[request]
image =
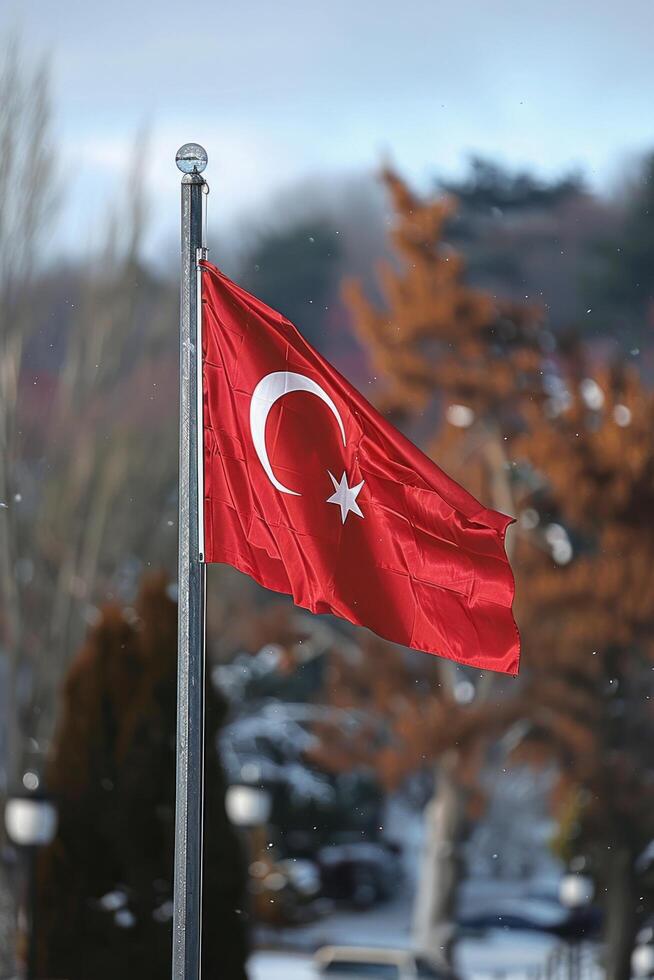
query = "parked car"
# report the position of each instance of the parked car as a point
(378, 963)
(534, 915)
(361, 873)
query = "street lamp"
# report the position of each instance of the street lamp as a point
(31, 822)
(247, 806)
(642, 961)
(576, 891)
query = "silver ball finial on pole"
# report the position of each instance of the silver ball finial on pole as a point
(191, 158)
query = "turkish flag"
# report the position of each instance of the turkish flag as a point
(310, 491)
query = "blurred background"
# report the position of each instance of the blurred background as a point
(455, 204)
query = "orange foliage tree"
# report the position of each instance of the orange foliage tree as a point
(588, 567)
(528, 429)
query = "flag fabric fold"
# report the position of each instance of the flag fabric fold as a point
(311, 492)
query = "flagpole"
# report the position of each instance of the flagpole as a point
(191, 159)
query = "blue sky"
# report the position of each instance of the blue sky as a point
(278, 91)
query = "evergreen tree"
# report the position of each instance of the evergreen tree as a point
(526, 236)
(294, 271)
(624, 286)
(105, 884)
(489, 186)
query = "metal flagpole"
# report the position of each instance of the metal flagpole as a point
(191, 159)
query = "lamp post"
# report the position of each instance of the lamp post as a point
(31, 822)
(248, 808)
(575, 892)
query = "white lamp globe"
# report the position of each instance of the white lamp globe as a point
(30, 821)
(642, 961)
(247, 806)
(576, 890)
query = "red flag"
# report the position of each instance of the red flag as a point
(312, 492)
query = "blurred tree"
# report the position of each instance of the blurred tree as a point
(482, 357)
(316, 760)
(80, 515)
(622, 286)
(294, 270)
(588, 622)
(581, 472)
(105, 883)
(27, 196)
(529, 237)
(489, 186)
(111, 408)
(436, 333)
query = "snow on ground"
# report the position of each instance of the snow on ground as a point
(496, 957)
(499, 953)
(383, 925)
(505, 954)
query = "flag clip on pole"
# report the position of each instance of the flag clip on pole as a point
(191, 159)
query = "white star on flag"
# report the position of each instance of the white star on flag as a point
(345, 497)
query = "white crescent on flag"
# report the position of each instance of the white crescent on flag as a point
(268, 391)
